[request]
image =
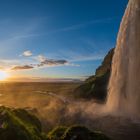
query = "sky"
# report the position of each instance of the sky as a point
(57, 39)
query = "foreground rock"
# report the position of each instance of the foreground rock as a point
(75, 133)
(18, 124)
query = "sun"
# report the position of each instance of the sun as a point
(3, 75)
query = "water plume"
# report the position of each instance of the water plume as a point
(124, 85)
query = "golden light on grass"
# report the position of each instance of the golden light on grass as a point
(3, 75)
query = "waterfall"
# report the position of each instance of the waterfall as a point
(124, 84)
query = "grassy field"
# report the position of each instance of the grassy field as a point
(32, 94)
(60, 88)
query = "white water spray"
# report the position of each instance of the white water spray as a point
(124, 85)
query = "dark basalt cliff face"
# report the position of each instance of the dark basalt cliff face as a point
(96, 86)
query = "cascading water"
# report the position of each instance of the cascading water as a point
(124, 84)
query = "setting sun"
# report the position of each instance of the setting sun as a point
(3, 75)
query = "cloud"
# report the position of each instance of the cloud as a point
(52, 62)
(41, 58)
(42, 62)
(27, 53)
(22, 67)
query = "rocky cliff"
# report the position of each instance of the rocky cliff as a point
(96, 85)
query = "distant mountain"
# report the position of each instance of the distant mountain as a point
(96, 85)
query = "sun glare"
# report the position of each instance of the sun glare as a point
(3, 75)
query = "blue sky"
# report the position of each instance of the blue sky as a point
(57, 38)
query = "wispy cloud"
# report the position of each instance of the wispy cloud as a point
(88, 58)
(85, 24)
(13, 36)
(87, 50)
(28, 34)
(75, 56)
(8, 63)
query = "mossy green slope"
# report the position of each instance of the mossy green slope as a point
(18, 124)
